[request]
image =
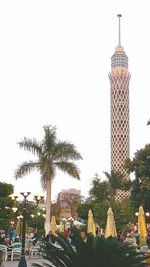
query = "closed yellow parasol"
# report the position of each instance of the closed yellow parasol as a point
(91, 225)
(141, 223)
(19, 228)
(110, 224)
(53, 224)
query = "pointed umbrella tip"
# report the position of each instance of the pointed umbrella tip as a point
(141, 210)
(110, 211)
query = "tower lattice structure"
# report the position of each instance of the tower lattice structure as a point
(119, 81)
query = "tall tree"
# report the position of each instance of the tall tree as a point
(140, 163)
(140, 166)
(123, 212)
(6, 204)
(100, 190)
(115, 180)
(52, 154)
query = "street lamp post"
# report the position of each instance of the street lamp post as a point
(22, 262)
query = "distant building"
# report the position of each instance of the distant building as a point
(68, 200)
(119, 81)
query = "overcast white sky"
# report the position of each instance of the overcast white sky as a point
(54, 65)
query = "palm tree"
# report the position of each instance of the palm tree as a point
(52, 154)
(115, 180)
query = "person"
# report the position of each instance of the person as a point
(120, 237)
(130, 239)
(66, 233)
(148, 239)
(49, 238)
(13, 235)
(7, 241)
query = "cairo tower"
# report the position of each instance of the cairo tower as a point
(119, 81)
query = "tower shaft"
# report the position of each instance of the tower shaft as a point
(119, 82)
(119, 120)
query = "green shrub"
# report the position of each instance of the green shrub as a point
(95, 252)
(6, 204)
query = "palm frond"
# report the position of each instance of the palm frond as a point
(49, 140)
(61, 253)
(148, 123)
(66, 151)
(31, 145)
(26, 168)
(108, 176)
(94, 252)
(68, 167)
(47, 171)
(43, 181)
(44, 178)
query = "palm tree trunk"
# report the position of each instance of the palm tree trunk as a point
(48, 208)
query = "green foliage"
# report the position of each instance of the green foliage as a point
(31, 208)
(123, 212)
(140, 163)
(94, 252)
(37, 223)
(140, 193)
(6, 204)
(6, 189)
(106, 190)
(51, 155)
(115, 179)
(100, 191)
(140, 189)
(83, 208)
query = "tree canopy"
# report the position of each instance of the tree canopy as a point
(6, 204)
(140, 188)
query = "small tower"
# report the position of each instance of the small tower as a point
(119, 81)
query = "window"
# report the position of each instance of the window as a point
(119, 61)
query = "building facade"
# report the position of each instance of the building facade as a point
(68, 200)
(119, 82)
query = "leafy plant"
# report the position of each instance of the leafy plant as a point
(123, 212)
(6, 189)
(6, 204)
(94, 252)
(140, 187)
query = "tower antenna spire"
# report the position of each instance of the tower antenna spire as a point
(119, 41)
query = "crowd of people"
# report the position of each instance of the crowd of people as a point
(130, 236)
(134, 238)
